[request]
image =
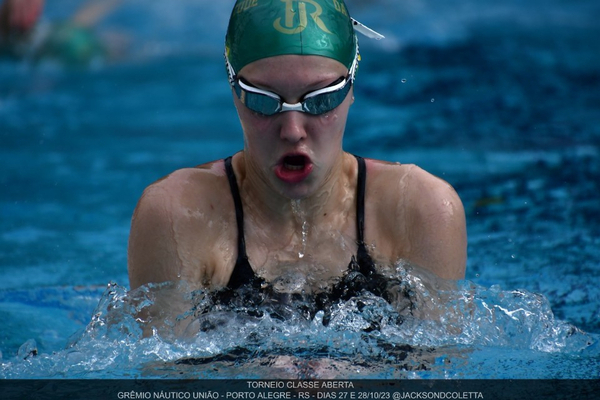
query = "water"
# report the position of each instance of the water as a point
(481, 329)
(513, 127)
(301, 217)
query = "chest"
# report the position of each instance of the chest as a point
(310, 257)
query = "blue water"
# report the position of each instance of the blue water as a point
(501, 100)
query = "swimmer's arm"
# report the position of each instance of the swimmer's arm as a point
(161, 246)
(178, 230)
(438, 233)
(152, 252)
(152, 258)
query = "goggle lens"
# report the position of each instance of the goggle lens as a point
(325, 102)
(317, 102)
(258, 102)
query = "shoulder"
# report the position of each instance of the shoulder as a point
(186, 189)
(424, 213)
(176, 223)
(417, 189)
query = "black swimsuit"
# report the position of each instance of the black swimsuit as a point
(361, 272)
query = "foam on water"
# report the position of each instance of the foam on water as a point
(446, 330)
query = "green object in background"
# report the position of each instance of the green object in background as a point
(71, 44)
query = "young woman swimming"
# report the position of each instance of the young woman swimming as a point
(293, 210)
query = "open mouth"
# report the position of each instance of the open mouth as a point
(294, 168)
(294, 163)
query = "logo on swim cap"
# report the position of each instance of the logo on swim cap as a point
(290, 13)
(266, 28)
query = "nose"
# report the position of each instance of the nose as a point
(292, 126)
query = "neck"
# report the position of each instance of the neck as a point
(334, 196)
(316, 231)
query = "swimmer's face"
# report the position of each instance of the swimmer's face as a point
(294, 152)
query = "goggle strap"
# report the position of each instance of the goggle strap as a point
(252, 89)
(230, 71)
(328, 89)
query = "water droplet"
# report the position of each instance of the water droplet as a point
(513, 256)
(301, 215)
(403, 81)
(304, 236)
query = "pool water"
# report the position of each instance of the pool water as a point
(501, 100)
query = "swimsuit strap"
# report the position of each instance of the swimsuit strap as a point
(367, 266)
(360, 200)
(362, 274)
(242, 272)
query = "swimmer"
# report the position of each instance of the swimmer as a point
(72, 42)
(18, 19)
(293, 206)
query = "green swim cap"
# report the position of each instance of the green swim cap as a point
(265, 28)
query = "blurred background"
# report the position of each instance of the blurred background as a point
(500, 98)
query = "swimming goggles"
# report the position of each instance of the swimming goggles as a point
(316, 102)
